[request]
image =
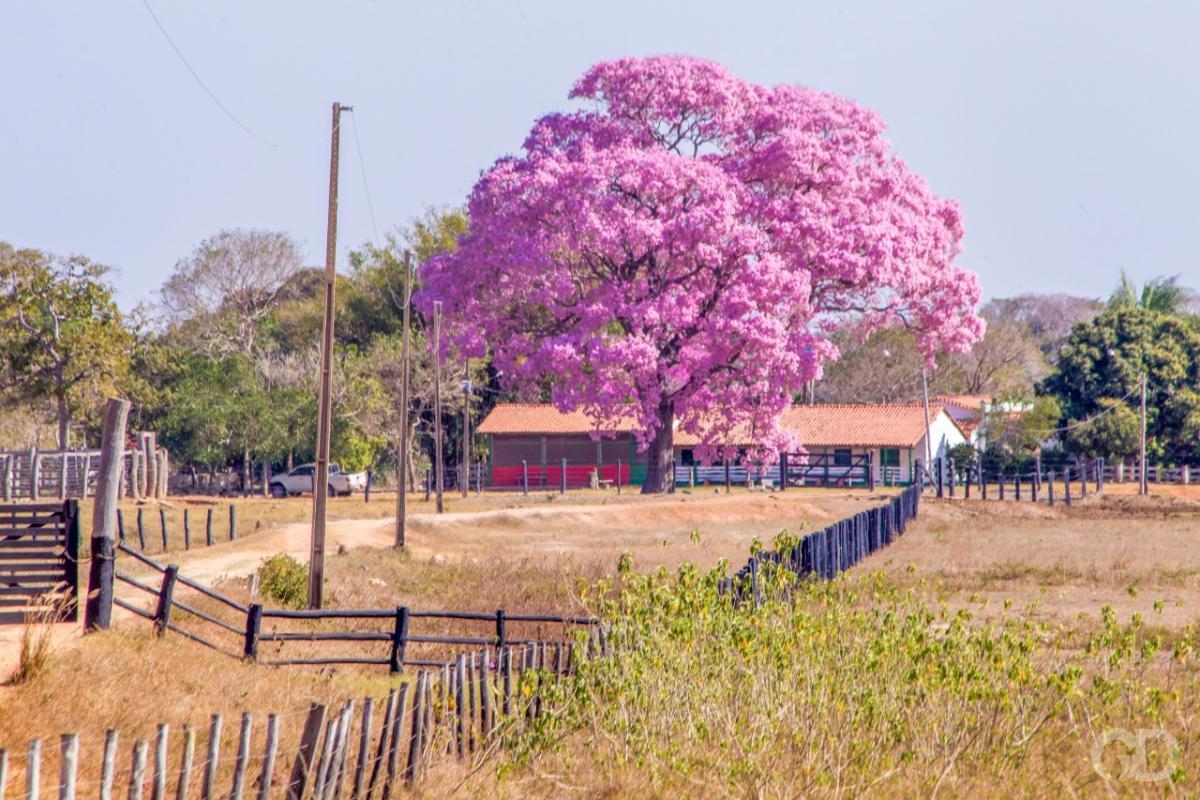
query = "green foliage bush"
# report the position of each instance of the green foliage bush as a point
(283, 579)
(862, 685)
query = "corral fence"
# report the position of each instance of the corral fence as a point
(36, 474)
(1040, 484)
(793, 469)
(39, 561)
(824, 553)
(460, 712)
(1127, 472)
(394, 637)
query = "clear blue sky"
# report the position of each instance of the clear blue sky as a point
(1066, 130)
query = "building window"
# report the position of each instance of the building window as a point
(889, 456)
(687, 457)
(841, 457)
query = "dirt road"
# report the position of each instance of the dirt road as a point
(701, 527)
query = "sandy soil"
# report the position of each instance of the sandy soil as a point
(1119, 549)
(701, 526)
(1067, 562)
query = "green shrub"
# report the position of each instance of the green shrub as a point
(283, 579)
(857, 682)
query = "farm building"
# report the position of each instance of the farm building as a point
(843, 442)
(968, 411)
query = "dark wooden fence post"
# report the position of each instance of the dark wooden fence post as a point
(951, 474)
(618, 476)
(1067, 485)
(71, 554)
(728, 482)
(783, 471)
(106, 517)
(208, 540)
(562, 478)
(1050, 487)
(399, 639)
(1099, 474)
(162, 521)
(141, 526)
(120, 525)
(939, 467)
(524, 476)
(232, 521)
(982, 482)
(1017, 487)
(501, 632)
(253, 626)
(187, 531)
(1033, 488)
(1083, 479)
(162, 614)
(1002, 478)
(970, 475)
(870, 470)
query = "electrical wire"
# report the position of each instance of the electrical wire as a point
(200, 80)
(362, 168)
(1082, 422)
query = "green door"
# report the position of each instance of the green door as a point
(889, 465)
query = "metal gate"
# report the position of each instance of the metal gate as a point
(39, 561)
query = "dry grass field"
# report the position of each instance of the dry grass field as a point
(1057, 567)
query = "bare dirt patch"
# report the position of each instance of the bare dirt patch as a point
(1136, 554)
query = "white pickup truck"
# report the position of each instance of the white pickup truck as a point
(300, 480)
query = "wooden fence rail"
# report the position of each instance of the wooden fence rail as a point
(459, 712)
(39, 561)
(825, 553)
(1063, 484)
(239, 630)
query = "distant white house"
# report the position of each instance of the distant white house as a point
(971, 412)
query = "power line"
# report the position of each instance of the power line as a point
(362, 168)
(200, 80)
(1008, 424)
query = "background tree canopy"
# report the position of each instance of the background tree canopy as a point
(1102, 361)
(226, 375)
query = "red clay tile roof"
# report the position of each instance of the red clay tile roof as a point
(971, 402)
(822, 425)
(539, 418)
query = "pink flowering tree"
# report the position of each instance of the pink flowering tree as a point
(679, 250)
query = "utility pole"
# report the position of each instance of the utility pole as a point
(466, 439)
(402, 488)
(1143, 487)
(316, 563)
(437, 402)
(928, 443)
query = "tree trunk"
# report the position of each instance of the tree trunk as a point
(64, 424)
(661, 454)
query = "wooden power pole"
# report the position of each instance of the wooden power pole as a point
(402, 488)
(466, 439)
(439, 471)
(1143, 486)
(316, 563)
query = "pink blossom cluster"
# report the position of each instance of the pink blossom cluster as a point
(680, 249)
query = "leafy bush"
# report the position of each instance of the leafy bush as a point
(283, 579)
(858, 685)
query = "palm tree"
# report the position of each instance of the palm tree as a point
(1162, 294)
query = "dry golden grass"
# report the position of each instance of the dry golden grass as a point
(533, 554)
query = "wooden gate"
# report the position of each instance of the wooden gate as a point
(39, 561)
